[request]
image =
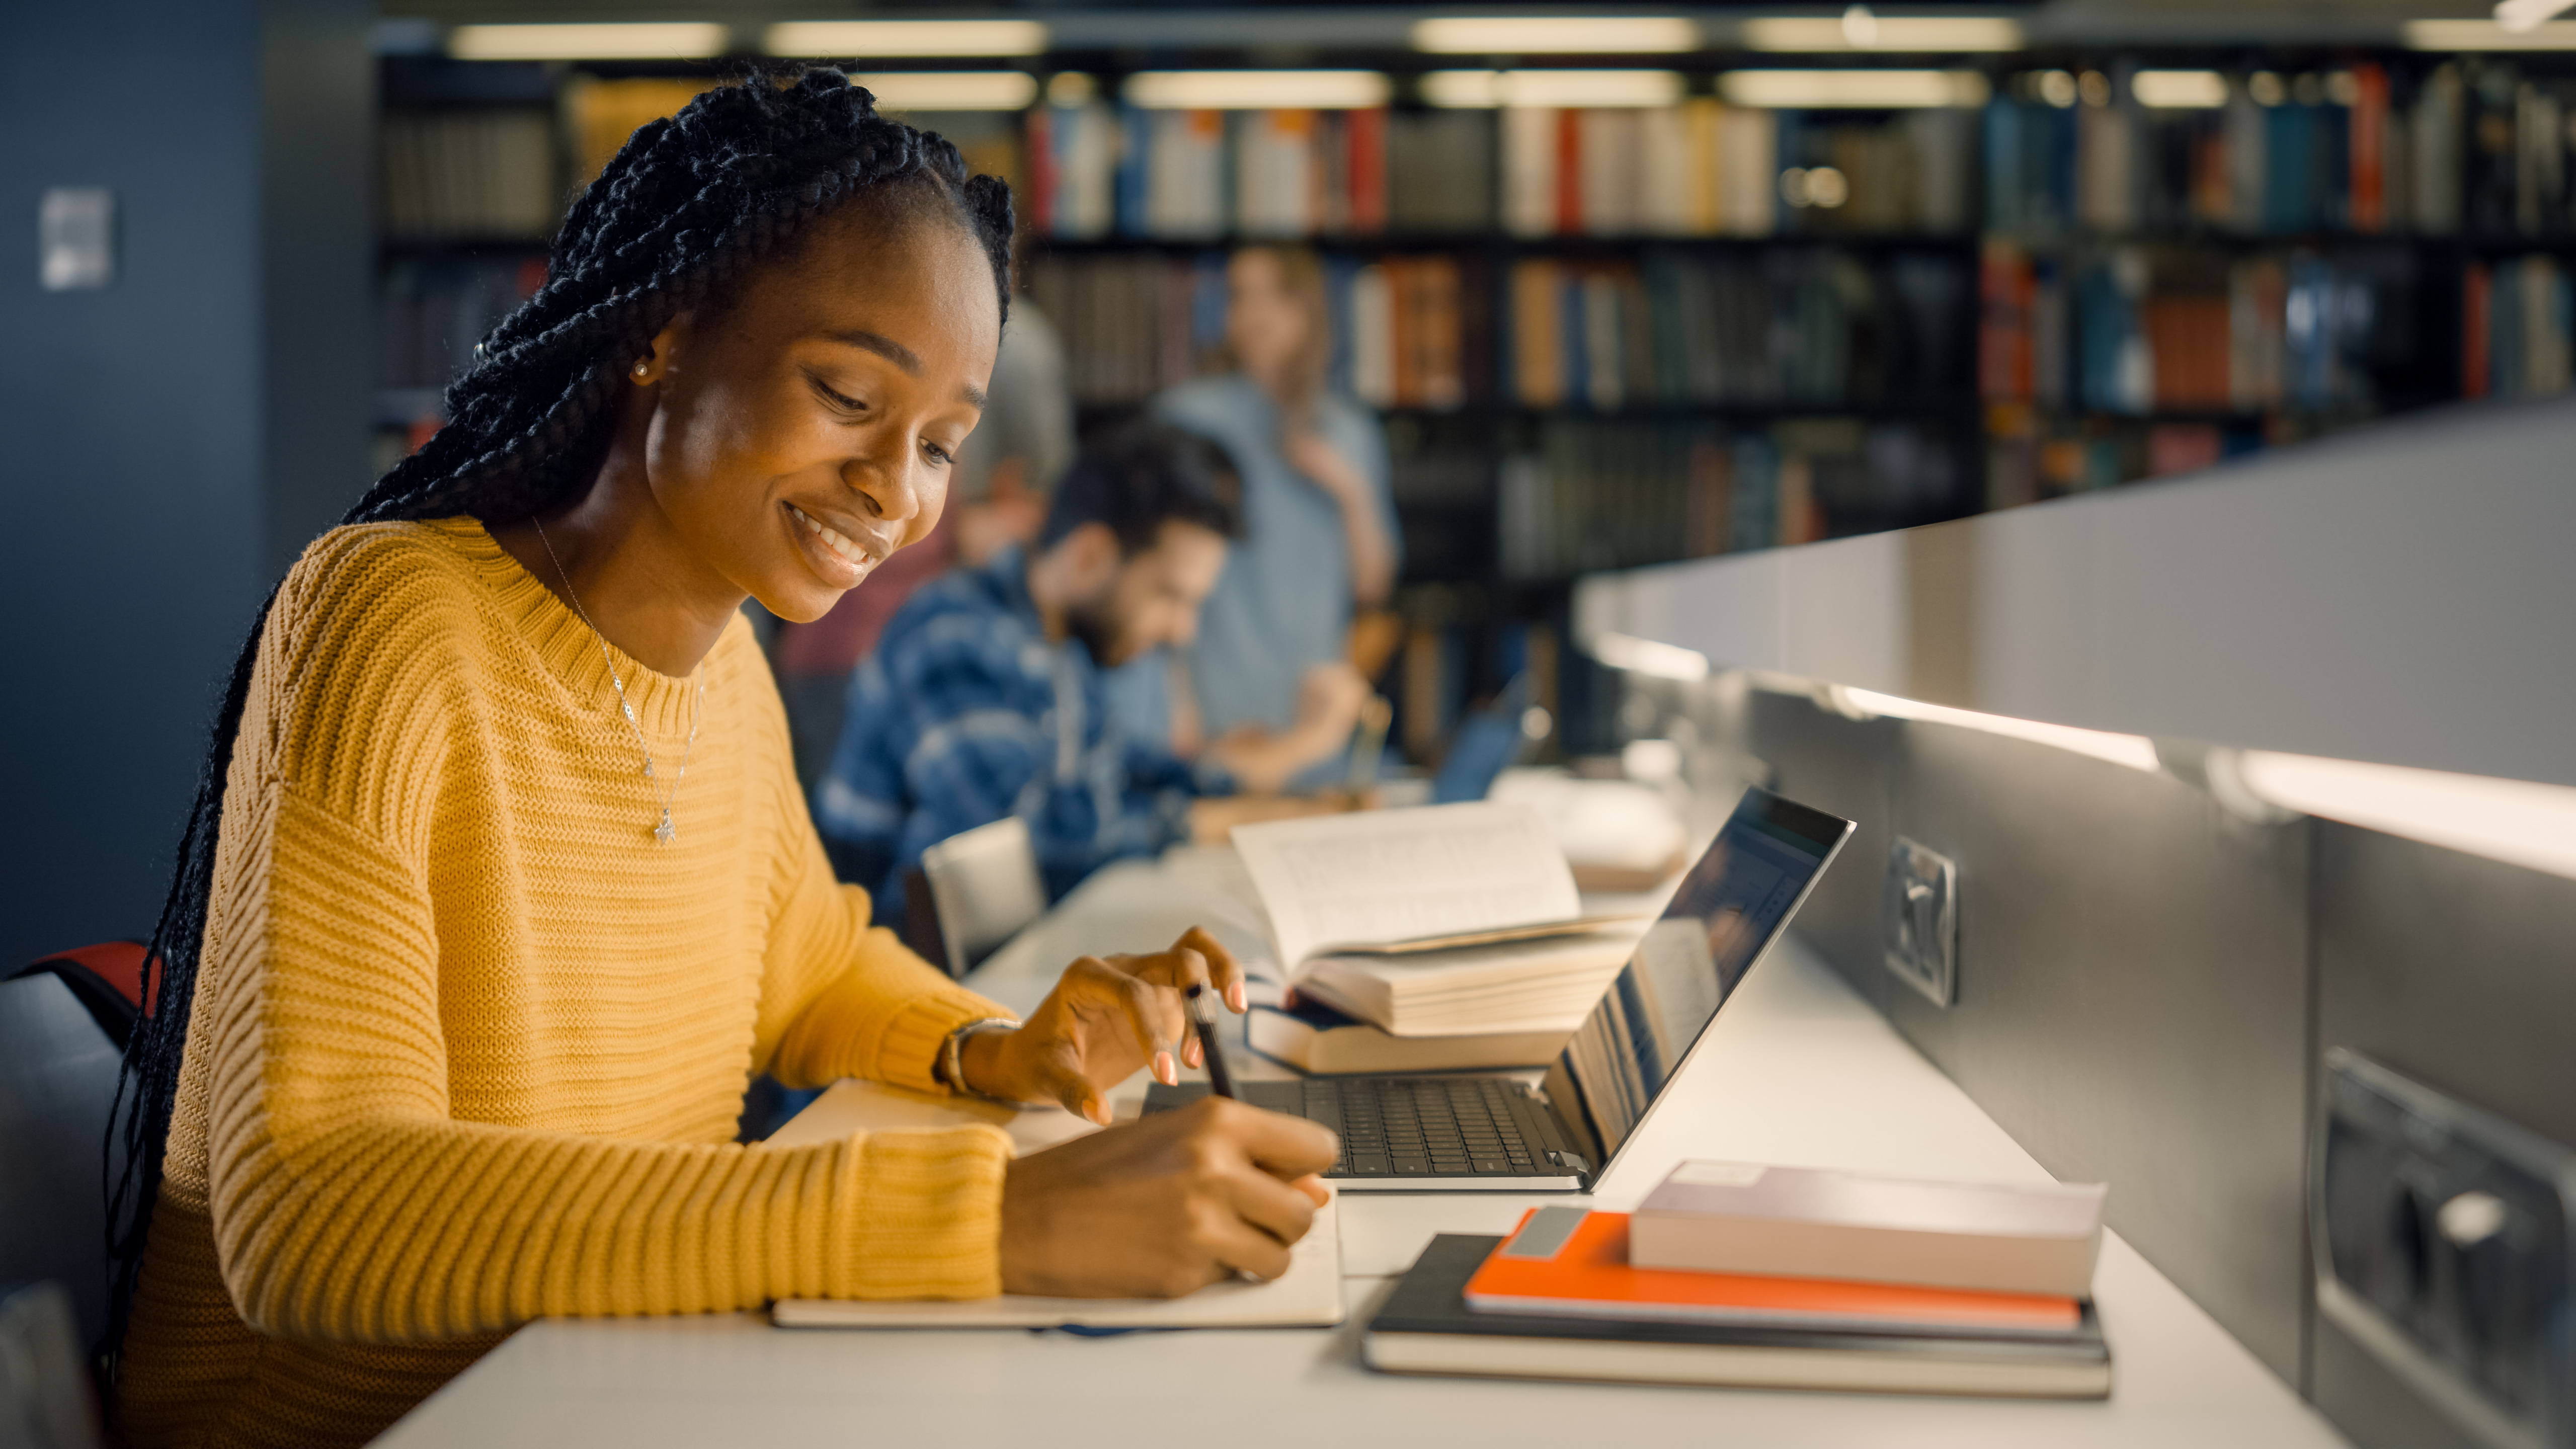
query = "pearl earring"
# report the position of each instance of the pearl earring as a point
(643, 366)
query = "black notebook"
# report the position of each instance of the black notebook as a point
(1427, 1328)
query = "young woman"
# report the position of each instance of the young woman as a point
(498, 886)
(1319, 527)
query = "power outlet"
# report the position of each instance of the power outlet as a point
(1919, 911)
(2441, 1235)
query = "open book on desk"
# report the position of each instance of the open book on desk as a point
(1308, 1295)
(1447, 920)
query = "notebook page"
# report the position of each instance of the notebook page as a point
(1390, 875)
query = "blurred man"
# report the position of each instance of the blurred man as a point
(984, 697)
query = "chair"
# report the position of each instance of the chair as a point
(45, 1398)
(984, 886)
(59, 1052)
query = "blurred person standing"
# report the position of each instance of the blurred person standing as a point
(997, 498)
(1320, 538)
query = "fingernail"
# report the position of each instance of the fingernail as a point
(1236, 997)
(1192, 1054)
(1164, 1071)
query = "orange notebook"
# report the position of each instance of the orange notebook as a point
(1577, 1266)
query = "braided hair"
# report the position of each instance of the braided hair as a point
(689, 207)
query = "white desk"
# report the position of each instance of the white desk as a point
(1797, 1070)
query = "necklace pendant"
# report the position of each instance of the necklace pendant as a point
(663, 832)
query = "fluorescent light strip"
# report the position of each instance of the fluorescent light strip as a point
(2487, 35)
(1256, 90)
(2514, 821)
(953, 90)
(641, 40)
(1916, 34)
(2523, 15)
(1598, 89)
(1810, 90)
(1556, 35)
(2179, 90)
(879, 39)
(2136, 752)
(1649, 656)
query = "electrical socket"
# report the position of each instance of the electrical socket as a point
(2442, 1242)
(1919, 912)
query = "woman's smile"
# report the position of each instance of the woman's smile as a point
(841, 559)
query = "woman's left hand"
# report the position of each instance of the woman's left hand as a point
(1105, 1018)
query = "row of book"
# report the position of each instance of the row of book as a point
(2028, 460)
(2474, 145)
(482, 172)
(1609, 494)
(2137, 330)
(1799, 328)
(1701, 168)
(2518, 329)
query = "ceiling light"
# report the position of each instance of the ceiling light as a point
(2522, 15)
(1804, 90)
(642, 40)
(1556, 35)
(952, 90)
(1859, 29)
(2487, 35)
(2136, 752)
(2509, 820)
(878, 39)
(1468, 89)
(1649, 656)
(2179, 90)
(1256, 90)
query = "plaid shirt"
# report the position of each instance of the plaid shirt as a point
(965, 714)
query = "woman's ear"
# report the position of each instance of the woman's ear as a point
(655, 364)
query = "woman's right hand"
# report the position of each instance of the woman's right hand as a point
(1163, 1206)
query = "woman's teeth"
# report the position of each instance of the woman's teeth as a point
(850, 553)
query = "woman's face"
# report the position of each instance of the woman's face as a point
(804, 432)
(1264, 322)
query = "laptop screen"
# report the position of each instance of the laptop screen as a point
(1728, 910)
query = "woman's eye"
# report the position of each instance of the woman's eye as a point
(836, 398)
(938, 454)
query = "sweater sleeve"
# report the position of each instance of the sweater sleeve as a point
(843, 998)
(348, 1204)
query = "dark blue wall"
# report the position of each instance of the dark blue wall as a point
(161, 439)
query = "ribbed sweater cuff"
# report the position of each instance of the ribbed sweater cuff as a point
(917, 1030)
(921, 1215)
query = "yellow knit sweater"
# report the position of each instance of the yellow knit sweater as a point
(468, 1045)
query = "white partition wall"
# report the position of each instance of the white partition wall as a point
(2403, 593)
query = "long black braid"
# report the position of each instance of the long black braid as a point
(688, 207)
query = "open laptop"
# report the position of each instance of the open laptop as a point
(1448, 1132)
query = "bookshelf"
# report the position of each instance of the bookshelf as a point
(1603, 337)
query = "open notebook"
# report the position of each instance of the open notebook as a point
(1308, 1295)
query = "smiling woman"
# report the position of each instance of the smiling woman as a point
(498, 885)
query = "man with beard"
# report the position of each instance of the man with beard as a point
(985, 699)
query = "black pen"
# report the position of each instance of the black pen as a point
(1220, 1081)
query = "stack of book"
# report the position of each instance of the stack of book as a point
(1439, 938)
(1772, 1277)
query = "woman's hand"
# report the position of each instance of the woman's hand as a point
(1163, 1206)
(1105, 1018)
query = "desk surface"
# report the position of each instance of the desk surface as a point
(1796, 1070)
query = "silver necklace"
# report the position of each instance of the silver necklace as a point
(662, 832)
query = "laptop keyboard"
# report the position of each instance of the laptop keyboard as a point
(1424, 1127)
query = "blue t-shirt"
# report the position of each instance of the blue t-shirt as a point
(1284, 600)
